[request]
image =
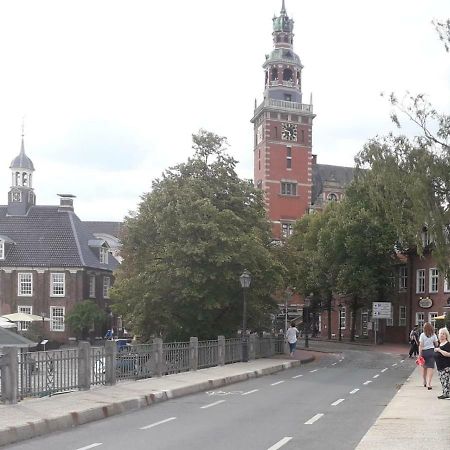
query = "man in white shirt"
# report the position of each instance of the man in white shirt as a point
(291, 338)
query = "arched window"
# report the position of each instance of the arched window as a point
(287, 75)
(274, 74)
(24, 179)
(17, 179)
(332, 198)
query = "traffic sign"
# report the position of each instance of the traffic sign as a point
(381, 310)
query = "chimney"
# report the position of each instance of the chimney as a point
(66, 202)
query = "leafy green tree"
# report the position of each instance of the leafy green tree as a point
(186, 246)
(85, 316)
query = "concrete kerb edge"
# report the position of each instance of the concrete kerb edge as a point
(45, 426)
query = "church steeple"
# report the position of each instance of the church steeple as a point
(21, 195)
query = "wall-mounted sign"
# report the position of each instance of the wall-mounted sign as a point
(425, 302)
(381, 310)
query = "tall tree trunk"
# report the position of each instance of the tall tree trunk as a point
(330, 298)
(354, 309)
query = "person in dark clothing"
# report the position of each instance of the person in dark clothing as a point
(442, 358)
(414, 341)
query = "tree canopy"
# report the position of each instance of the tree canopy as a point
(85, 316)
(186, 246)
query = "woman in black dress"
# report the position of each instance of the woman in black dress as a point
(442, 356)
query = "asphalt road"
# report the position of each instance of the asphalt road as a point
(328, 404)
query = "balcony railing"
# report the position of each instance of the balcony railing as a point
(284, 105)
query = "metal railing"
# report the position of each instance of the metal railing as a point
(284, 105)
(39, 374)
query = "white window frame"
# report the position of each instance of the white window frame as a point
(57, 321)
(106, 286)
(420, 281)
(23, 326)
(288, 188)
(402, 278)
(21, 283)
(343, 317)
(432, 318)
(287, 229)
(91, 286)
(390, 321)
(433, 280)
(103, 255)
(2, 249)
(446, 285)
(55, 284)
(420, 320)
(402, 316)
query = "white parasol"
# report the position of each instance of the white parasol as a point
(24, 317)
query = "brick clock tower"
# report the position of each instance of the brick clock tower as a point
(283, 133)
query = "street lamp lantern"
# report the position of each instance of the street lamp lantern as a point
(307, 305)
(245, 280)
(340, 321)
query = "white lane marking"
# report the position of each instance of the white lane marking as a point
(278, 382)
(402, 360)
(315, 370)
(377, 375)
(384, 370)
(334, 364)
(314, 419)
(90, 446)
(280, 443)
(250, 392)
(354, 391)
(367, 382)
(297, 376)
(158, 423)
(212, 404)
(337, 402)
(393, 365)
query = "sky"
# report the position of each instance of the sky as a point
(110, 91)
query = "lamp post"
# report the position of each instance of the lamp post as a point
(245, 280)
(307, 304)
(286, 302)
(340, 321)
(43, 322)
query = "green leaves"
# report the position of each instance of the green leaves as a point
(85, 316)
(186, 246)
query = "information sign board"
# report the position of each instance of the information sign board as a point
(381, 310)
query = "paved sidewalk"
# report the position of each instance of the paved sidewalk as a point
(414, 419)
(35, 417)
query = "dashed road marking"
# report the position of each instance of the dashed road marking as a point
(280, 443)
(90, 446)
(297, 376)
(250, 392)
(337, 402)
(158, 423)
(384, 370)
(278, 382)
(354, 391)
(393, 365)
(402, 360)
(367, 382)
(314, 419)
(377, 375)
(212, 404)
(334, 364)
(315, 370)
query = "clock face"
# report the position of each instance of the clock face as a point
(16, 196)
(289, 132)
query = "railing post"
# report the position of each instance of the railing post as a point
(110, 362)
(84, 366)
(9, 374)
(252, 346)
(220, 350)
(158, 356)
(193, 353)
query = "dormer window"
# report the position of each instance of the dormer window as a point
(103, 255)
(332, 197)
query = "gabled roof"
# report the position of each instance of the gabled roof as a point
(11, 339)
(324, 173)
(49, 236)
(111, 228)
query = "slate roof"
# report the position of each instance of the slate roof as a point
(49, 237)
(322, 173)
(12, 339)
(111, 228)
(21, 161)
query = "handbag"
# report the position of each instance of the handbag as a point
(420, 361)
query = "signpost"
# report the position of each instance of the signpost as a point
(380, 310)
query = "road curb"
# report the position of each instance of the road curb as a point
(40, 427)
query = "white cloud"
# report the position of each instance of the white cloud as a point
(113, 90)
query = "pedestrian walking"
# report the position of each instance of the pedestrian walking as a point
(291, 338)
(427, 342)
(442, 357)
(414, 341)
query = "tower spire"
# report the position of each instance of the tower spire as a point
(283, 8)
(22, 147)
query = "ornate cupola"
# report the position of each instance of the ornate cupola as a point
(21, 195)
